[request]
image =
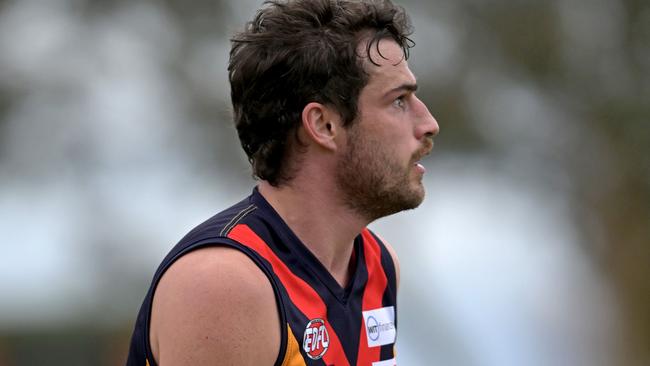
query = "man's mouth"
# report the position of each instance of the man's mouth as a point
(417, 157)
(421, 154)
(419, 167)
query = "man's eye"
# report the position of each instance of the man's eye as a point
(399, 102)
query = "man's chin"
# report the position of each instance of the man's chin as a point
(417, 193)
(412, 199)
(416, 202)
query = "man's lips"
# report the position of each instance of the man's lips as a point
(424, 151)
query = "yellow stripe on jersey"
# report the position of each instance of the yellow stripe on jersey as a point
(292, 357)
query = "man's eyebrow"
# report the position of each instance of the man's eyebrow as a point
(404, 87)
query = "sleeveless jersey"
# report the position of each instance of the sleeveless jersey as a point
(322, 323)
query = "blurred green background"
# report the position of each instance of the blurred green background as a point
(532, 248)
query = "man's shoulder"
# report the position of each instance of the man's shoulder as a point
(212, 295)
(214, 269)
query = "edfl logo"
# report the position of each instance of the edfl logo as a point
(316, 339)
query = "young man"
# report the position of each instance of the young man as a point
(325, 109)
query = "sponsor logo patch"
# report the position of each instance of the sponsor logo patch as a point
(380, 326)
(316, 340)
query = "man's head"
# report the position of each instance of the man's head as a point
(297, 52)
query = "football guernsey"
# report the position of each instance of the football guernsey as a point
(322, 323)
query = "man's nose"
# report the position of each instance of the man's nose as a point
(427, 124)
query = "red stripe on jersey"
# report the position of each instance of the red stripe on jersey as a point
(372, 295)
(300, 293)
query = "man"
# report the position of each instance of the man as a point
(325, 108)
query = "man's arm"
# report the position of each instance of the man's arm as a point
(214, 306)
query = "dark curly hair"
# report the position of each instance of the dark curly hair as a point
(296, 52)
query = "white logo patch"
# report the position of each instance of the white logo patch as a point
(390, 362)
(380, 326)
(316, 340)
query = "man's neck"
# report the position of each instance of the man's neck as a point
(325, 227)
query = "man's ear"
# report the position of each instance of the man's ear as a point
(321, 124)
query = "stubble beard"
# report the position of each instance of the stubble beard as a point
(373, 183)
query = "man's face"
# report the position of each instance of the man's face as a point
(379, 173)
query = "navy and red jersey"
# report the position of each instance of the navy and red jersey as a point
(322, 323)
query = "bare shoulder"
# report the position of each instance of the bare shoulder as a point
(210, 307)
(393, 254)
